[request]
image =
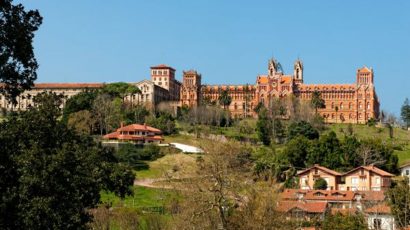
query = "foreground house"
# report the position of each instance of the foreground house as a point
(362, 178)
(299, 204)
(139, 134)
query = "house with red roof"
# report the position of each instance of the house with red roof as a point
(308, 177)
(139, 134)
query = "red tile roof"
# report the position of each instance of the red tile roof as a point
(311, 207)
(162, 66)
(65, 85)
(138, 127)
(326, 195)
(371, 168)
(334, 173)
(379, 209)
(134, 137)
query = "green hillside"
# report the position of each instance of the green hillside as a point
(400, 140)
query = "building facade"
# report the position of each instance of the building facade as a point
(344, 103)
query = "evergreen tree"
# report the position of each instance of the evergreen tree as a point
(264, 127)
(405, 112)
(317, 101)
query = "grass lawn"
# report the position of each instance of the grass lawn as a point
(143, 198)
(400, 137)
(174, 165)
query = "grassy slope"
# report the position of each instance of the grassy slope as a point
(142, 197)
(184, 163)
(400, 137)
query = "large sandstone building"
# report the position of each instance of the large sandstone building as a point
(344, 103)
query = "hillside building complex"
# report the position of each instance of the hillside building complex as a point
(344, 103)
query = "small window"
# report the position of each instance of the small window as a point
(407, 172)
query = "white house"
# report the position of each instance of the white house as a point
(379, 217)
(405, 170)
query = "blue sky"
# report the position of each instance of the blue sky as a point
(227, 41)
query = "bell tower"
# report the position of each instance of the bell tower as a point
(298, 71)
(272, 67)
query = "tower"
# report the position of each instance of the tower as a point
(163, 76)
(364, 76)
(272, 67)
(298, 71)
(191, 88)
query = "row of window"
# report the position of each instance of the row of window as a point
(159, 72)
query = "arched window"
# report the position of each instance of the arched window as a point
(368, 105)
(341, 105)
(333, 106)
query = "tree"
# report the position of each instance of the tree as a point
(81, 121)
(107, 112)
(224, 99)
(79, 102)
(317, 101)
(302, 128)
(120, 89)
(52, 176)
(399, 201)
(405, 112)
(264, 127)
(336, 110)
(296, 151)
(340, 221)
(163, 121)
(320, 184)
(17, 62)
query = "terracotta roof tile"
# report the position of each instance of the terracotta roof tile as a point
(379, 209)
(311, 207)
(67, 85)
(370, 168)
(326, 195)
(332, 172)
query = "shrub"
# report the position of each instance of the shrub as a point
(320, 184)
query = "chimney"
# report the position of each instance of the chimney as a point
(145, 126)
(122, 124)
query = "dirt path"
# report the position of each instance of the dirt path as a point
(149, 183)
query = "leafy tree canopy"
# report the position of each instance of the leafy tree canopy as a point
(17, 62)
(302, 128)
(50, 174)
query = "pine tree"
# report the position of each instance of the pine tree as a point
(405, 112)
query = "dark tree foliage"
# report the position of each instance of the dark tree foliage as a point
(344, 222)
(81, 101)
(17, 62)
(50, 174)
(120, 89)
(134, 155)
(320, 184)
(297, 151)
(317, 101)
(264, 127)
(302, 128)
(224, 99)
(163, 121)
(399, 201)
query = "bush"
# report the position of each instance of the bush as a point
(134, 155)
(302, 128)
(320, 184)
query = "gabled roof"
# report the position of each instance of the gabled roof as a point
(138, 127)
(404, 165)
(287, 79)
(262, 80)
(324, 169)
(311, 207)
(370, 168)
(364, 69)
(379, 209)
(326, 195)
